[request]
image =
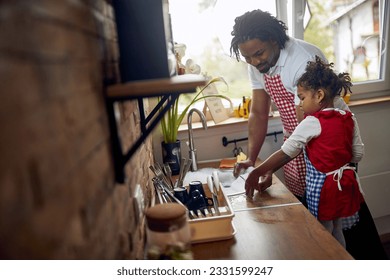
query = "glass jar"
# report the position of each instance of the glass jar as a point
(168, 233)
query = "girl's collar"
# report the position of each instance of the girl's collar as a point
(334, 109)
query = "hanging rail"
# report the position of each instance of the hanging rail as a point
(226, 142)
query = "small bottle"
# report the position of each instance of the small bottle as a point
(168, 233)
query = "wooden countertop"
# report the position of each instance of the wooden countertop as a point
(273, 225)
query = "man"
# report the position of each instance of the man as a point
(276, 61)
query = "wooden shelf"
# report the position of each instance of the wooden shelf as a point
(148, 88)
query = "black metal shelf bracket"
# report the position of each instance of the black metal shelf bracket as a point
(148, 123)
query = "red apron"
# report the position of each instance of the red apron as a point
(295, 170)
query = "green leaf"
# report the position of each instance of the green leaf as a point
(170, 123)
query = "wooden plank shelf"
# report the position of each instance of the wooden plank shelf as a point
(156, 87)
(168, 88)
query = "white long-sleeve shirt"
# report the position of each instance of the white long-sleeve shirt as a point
(310, 128)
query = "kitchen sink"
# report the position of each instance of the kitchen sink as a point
(230, 184)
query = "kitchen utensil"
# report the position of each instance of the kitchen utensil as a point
(216, 181)
(213, 191)
(158, 194)
(171, 196)
(160, 175)
(161, 195)
(165, 190)
(168, 173)
(217, 184)
(183, 162)
(186, 169)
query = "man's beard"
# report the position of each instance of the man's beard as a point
(265, 67)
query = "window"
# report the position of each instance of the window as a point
(204, 26)
(353, 35)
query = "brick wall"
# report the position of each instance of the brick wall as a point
(58, 196)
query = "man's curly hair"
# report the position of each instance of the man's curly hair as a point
(257, 25)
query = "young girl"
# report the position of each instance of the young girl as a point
(331, 141)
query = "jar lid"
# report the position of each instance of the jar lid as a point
(166, 217)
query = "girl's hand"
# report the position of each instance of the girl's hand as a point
(266, 181)
(253, 183)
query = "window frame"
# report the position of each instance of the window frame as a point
(361, 90)
(292, 13)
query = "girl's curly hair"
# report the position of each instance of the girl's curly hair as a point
(257, 25)
(320, 75)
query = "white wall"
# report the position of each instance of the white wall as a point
(374, 170)
(208, 143)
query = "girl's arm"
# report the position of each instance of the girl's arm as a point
(270, 165)
(306, 130)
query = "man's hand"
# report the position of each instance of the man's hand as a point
(242, 165)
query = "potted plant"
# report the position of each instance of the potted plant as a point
(170, 124)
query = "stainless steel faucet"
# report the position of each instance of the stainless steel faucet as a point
(192, 150)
